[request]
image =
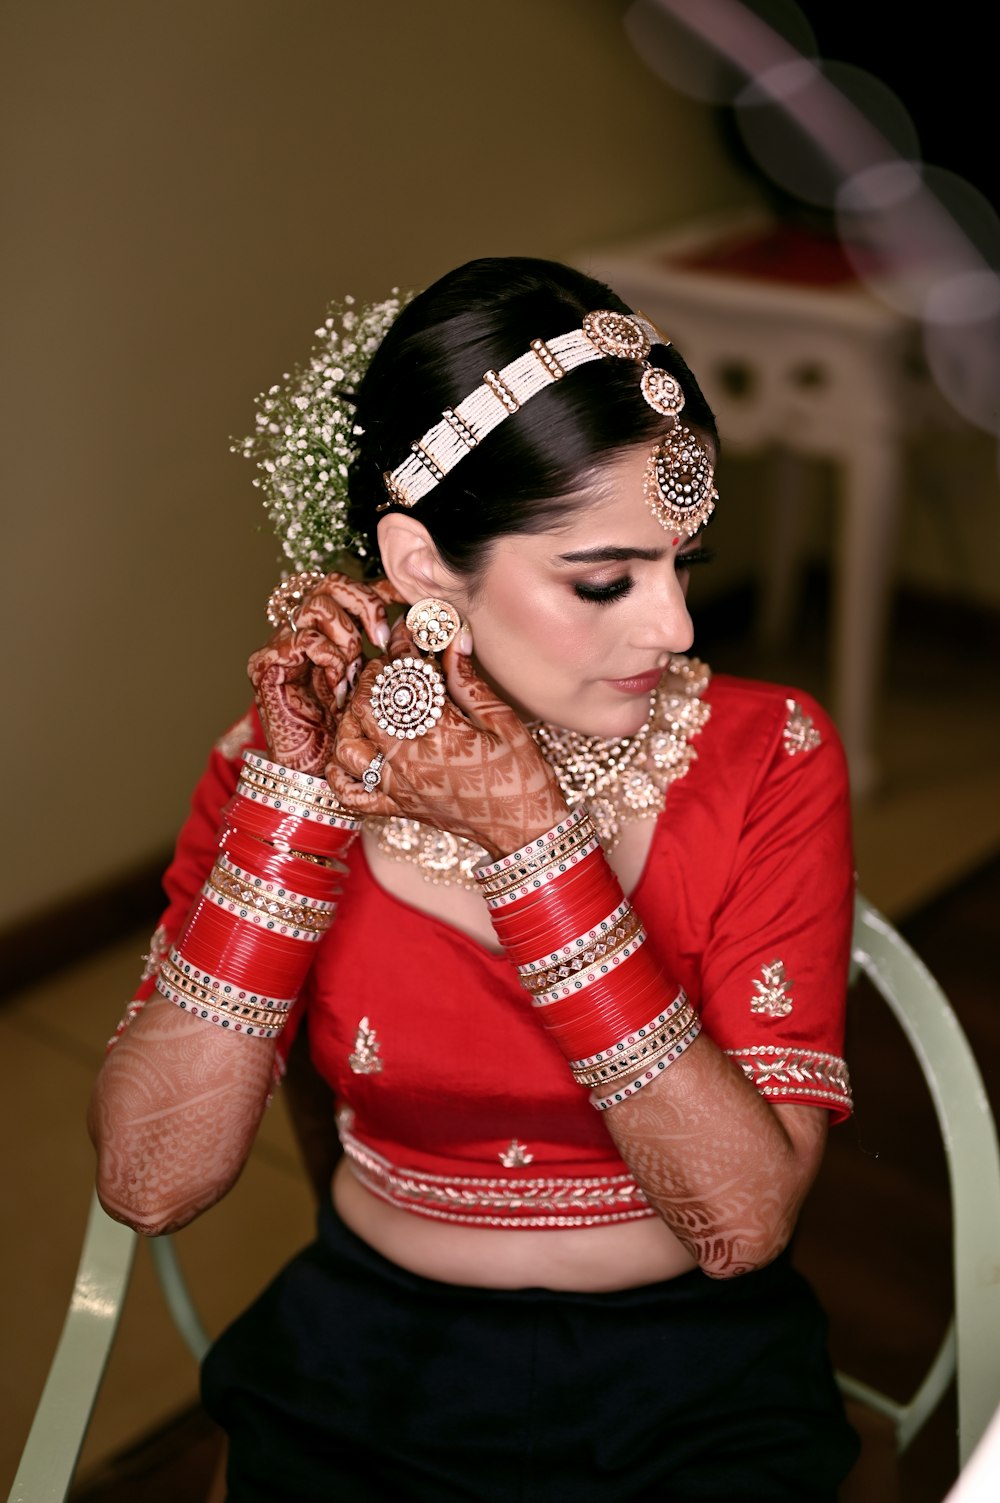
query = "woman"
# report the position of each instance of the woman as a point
(512, 1295)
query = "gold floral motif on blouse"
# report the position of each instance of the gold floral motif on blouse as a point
(515, 1155)
(799, 734)
(771, 990)
(366, 1056)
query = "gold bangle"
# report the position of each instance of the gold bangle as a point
(642, 1055)
(501, 883)
(628, 929)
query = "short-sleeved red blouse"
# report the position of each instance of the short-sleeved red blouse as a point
(453, 1102)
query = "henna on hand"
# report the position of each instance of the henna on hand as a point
(303, 675)
(477, 773)
(727, 1171)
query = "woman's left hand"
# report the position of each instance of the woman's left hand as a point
(302, 676)
(477, 773)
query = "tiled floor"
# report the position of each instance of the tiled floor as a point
(938, 817)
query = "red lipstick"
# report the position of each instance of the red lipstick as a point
(643, 683)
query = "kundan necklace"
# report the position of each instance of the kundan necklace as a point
(619, 780)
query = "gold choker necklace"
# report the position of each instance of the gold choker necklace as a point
(619, 780)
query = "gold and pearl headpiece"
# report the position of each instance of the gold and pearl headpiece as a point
(603, 335)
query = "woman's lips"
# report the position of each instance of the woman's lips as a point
(643, 683)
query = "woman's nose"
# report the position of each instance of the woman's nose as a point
(667, 626)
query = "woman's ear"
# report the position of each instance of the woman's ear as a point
(411, 560)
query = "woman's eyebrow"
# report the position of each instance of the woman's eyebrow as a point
(610, 555)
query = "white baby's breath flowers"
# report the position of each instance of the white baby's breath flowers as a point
(305, 436)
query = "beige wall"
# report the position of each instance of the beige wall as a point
(186, 185)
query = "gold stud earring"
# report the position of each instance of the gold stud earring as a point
(432, 624)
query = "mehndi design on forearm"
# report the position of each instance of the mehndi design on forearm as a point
(717, 1162)
(170, 1081)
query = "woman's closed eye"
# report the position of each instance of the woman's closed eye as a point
(604, 594)
(617, 589)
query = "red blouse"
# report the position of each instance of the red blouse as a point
(455, 1104)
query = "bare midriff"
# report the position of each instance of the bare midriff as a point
(620, 1255)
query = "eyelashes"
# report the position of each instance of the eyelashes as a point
(605, 594)
(619, 588)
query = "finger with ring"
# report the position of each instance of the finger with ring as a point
(284, 601)
(372, 775)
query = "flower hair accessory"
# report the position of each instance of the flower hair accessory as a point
(305, 436)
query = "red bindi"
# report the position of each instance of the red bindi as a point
(674, 542)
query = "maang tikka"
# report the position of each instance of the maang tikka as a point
(679, 484)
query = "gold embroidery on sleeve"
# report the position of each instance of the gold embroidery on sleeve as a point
(232, 742)
(790, 1072)
(799, 734)
(159, 944)
(771, 991)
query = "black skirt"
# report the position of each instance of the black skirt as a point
(350, 1379)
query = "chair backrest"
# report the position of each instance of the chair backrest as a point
(970, 1350)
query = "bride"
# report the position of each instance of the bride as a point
(562, 919)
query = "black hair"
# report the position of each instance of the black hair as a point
(480, 317)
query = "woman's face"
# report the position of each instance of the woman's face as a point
(576, 625)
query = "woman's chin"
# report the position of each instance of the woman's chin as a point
(607, 723)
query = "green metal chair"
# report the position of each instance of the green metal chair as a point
(970, 1349)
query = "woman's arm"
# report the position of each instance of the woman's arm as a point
(173, 1116)
(727, 1170)
(178, 1100)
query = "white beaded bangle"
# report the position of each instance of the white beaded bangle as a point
(493, 871)
(228, 993)
(644, 1056)
(217, 1015)
(545, 872)
(298, 793)
(605, 1103)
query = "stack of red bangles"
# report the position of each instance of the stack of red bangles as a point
(580, 950)
(246, 947)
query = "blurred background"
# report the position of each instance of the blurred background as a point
(187, 186)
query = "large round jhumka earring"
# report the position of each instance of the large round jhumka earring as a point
(408, 698)
(432, 623)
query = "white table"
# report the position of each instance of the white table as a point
(807, 369)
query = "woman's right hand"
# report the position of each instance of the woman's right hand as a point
(477, 774)
(303, 675)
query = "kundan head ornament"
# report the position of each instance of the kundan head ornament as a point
(680, 483)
